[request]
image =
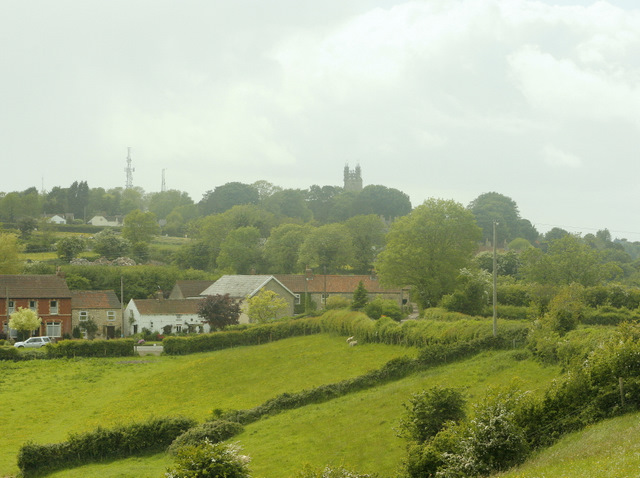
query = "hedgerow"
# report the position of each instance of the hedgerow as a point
(91, 348)
(102, 443)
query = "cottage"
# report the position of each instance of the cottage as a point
(101, 306)
(164, 316)
(243, 287)
(114, 221)
(47, 295)
(320, 287)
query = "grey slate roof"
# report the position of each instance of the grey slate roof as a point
(240, 286)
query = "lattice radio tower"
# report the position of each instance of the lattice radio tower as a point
(163, 188)
(129, 170)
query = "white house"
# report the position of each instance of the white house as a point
(114, 221)
(178, 315)
(56, 219)
(243, 287)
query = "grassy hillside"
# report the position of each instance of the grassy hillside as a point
(609, 449)
(45, 400)
(356, 430)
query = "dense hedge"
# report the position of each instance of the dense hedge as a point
(243, 335)
(215, 431)
(9, 353)
(102, 443)
(444, 327)
(91, 348)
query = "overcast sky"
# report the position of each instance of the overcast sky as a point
(537, 100)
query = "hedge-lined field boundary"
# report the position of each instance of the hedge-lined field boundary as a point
(91, 348)
(413, 333)
(119, 442)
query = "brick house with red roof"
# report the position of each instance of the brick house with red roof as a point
(101, 306)
(320, 287)
(47, 295)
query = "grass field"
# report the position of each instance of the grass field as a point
(45, 400)
(356, 430)
(610, 449)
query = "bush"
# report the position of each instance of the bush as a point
(9, 353)
(210, 460)
(379, 307)
(429, 410)
(329, 472)
(337, 302)
(216, 431)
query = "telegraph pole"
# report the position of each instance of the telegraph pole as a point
(495, 282)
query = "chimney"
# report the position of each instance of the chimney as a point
(308, 273)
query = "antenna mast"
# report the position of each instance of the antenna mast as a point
(163, 188)
(129, 170)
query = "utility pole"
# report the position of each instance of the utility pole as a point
(495, 282)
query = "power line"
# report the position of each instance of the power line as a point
(580, 228)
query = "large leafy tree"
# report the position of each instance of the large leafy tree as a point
(265, 305)
(9, 254)
(383, 201)
(329, 247)
(426, 249)
(69, 247)
(110, 245)
(224, 197)
(493, 206)
(367, 233)
(162, 203)
(568, 260)
(240, 252)
(24, 321)
(321, 201)
(140, 226)
(289, 203)
(282, 249)
(219, 311)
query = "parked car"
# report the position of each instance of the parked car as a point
(33, 342)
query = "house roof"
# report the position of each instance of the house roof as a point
(34, 287)
(241, 286)
(94, 299)
(334, 284)
(167, 306)
(190, 288)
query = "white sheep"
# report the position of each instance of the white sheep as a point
(350, 339)
(353, 343)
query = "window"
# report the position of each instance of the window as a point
(11, 307)
(53, 307)
(324, 297)
(33, 305)
(178, 328)
(54, 329)
(111, 315)
(13, 333)
(297, 301)
(83, 315)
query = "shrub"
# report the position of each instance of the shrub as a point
(216, 431)
(329, 472)
(428, 411)
(210, 460)
(9, 353)
(337, 302)
(379, 307)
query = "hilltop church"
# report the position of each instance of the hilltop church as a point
(352, 178)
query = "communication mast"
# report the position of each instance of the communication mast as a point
(163, 188)
(129, 170)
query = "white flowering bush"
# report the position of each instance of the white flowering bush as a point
(210, 460)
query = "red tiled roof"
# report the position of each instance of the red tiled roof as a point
(94, 299)
(33, 287)
(167, 306)
(334, 284)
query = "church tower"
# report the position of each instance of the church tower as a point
(352, 178)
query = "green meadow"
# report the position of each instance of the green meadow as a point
(45, 400)
(356, 430)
